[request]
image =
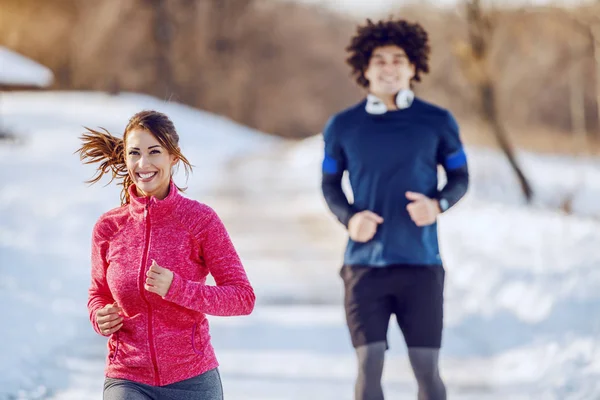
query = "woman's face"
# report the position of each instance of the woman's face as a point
(148, 163)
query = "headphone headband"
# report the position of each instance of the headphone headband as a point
(376, 106)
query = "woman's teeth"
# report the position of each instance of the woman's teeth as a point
(146, 176)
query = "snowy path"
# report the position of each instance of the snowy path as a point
(290, 353)
(522, 293)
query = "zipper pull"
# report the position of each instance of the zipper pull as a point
(146, 210)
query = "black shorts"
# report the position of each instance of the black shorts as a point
(414, 293)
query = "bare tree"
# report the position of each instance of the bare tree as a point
(475, 60)
(589, 23)
(577, 99)
(162, 34)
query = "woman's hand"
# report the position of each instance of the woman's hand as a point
(108, 319)
(158, 279)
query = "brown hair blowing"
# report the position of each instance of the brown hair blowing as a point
(109, 151)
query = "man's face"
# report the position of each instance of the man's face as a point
(389, 71)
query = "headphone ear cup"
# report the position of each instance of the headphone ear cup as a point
(375, 106)
(404, 99)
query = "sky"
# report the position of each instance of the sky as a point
(368, 7)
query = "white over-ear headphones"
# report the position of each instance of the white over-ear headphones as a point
(376, 106)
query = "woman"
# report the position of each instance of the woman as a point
(150, 259)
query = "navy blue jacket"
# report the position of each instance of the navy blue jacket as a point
(386, 156)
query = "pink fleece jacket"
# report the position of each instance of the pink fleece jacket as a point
(164, 340)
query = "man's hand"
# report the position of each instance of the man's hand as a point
(363, 226)
(158, 279)
(422, 210)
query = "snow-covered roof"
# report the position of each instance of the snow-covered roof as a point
(18, 70)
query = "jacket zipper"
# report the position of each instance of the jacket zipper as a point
(143, 277)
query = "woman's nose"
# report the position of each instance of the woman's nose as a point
(143, 161)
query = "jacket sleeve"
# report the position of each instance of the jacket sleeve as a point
(333, 167)
(99, 294)
(233, 294)
(452, 157)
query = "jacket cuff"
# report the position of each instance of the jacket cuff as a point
(95, 323)
(176, 290)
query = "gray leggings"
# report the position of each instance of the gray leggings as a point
(424, 362)
(206, 386)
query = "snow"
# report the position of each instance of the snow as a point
(18, 70)
(522, 282)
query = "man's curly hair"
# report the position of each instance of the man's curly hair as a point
(411, 37)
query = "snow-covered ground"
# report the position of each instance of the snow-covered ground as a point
(522, 283)
(18, 70)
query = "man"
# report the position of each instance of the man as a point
(391, 144)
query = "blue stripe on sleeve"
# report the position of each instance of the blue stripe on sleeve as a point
(330, 165)
(456, 160)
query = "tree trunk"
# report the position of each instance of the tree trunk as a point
(595, 33)
(577, 102)
(480, 30)
(162, 40)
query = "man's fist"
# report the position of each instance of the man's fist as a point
(422, 210)
(363, 226)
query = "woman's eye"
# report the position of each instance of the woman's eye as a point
(133, 153)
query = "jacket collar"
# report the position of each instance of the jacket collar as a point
(137, 205)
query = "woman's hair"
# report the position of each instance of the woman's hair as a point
(410, 37)
(109, 151)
